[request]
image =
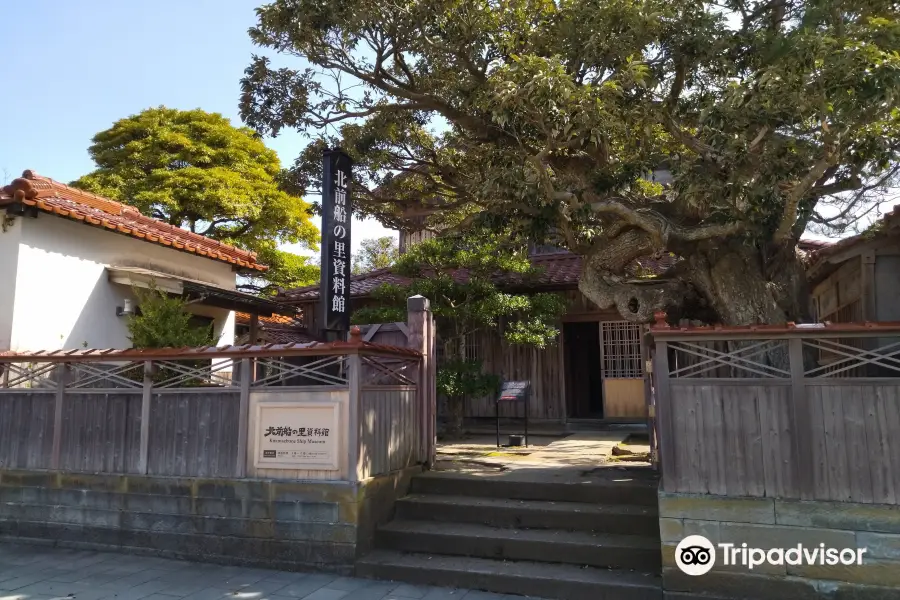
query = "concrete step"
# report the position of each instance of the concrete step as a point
(547, 545)
(565, 582)
(531, 514)
(613, 488)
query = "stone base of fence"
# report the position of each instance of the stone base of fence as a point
(771, 523)
(292, 525)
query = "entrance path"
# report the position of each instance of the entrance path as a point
(45, 573)
(578, 452)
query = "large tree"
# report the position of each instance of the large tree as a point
(193, 169)
(375, 253)
(544, 118)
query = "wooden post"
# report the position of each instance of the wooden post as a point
(61, 375)
(354, 378)
(867, 287)
(421, 339)
(800, 421)
(666, 429)
(143, 460)
(254, 328)
(244, 417)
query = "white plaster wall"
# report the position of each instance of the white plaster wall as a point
(63, 298)
(9, 262)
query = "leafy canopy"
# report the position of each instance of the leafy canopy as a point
(543, 119)
(193, 169)
(464, 279)
(375, 253)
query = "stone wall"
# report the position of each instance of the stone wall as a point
(771, 523)
(295, 525)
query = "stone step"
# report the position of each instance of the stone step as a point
(547, 545)
(614, 488)
(531, 514)
(565, 582)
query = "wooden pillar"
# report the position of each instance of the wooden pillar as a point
(665, 423)
(143, 460)
(867, 287)
(800, 421)
(354, 379)
(62, 372)
(421, 338)
(247, 368)
(254, 328)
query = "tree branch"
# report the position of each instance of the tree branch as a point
(799, 190)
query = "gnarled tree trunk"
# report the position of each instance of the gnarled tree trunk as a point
(731, 284)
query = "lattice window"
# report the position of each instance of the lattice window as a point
(734, 359)
(471, 345)
(879, 357)
(621, 350)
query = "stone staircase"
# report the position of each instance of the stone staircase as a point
(590, 538)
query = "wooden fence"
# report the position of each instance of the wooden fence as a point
(795, 412)
(192, 412)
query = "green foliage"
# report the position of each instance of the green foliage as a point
(162, 322)
(194, 170)
(462, 277)
(461, 378)
(286, 269)
(540, 119)
(375, 253)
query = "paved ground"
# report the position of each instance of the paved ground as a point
(43, 573)
(581, 451)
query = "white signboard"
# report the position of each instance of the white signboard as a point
(297, 435)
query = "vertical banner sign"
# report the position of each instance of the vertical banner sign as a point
(335, 269)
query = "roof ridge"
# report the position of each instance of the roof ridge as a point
(64, 200)
(129, 211)
(54, 185)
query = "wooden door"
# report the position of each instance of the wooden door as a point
(622, 370)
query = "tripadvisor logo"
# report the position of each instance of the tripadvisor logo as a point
(695, 555)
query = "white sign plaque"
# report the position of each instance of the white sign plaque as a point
(297, 435)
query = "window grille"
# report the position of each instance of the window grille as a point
(621, 350)
(471, 348)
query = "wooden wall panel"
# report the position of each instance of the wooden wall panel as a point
(193, 433)
(858, 427)
(388, 431)
(624, 398)
(26, 429)
(739, 440)
(101, 432)
(732, 440)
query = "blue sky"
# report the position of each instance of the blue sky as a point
(72, 68)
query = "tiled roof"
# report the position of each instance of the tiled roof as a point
(360, 285)
(59, 199)
(281, 335)
(277, 329)
(557, 269)
(242, 318)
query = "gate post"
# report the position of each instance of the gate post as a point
(421, 338)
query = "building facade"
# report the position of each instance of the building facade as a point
(71, 261)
